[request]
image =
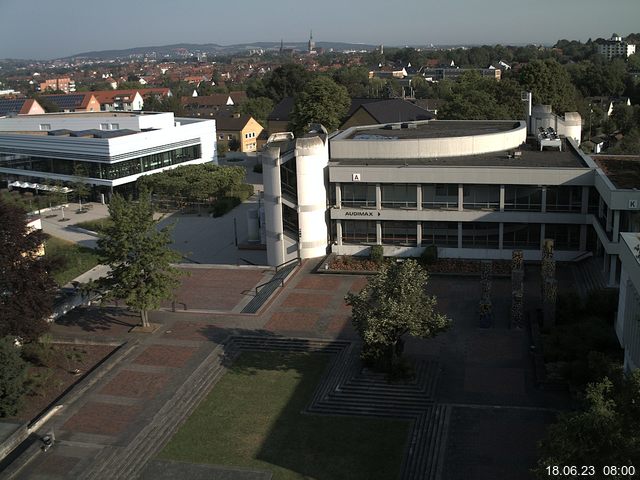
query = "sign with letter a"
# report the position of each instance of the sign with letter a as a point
(355, 177)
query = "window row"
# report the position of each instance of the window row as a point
(99, 170)
(473, 235)
(474, 197)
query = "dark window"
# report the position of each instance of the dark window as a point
(288, 178)
(399, 233)
(290, 221)
(358, 195)
(565, 237)
(481, 197)
(358, 231)
(480, 235)
(564, 199)
(438, 196)
(399, 195)
(442, 234)
(521, 235)
(522, 198)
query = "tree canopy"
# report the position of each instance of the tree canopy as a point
(26, 288)
(550, 84)
(259, 108)
(139, 257)
(392, 304)
(13, 372)
(322, 101)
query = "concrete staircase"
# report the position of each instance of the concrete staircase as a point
(267, 290)
(588, 276)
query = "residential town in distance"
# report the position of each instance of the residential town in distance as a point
(292, 260)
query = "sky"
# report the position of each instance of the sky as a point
(45, 29)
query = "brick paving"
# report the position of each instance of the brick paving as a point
(133, 384)
(165, 355)
(102, 418)
(306, 300)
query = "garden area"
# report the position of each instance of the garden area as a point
(68, 259)
(30, 202)
(200, 189)
(254, 418)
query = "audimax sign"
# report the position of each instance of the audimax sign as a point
(360, 213)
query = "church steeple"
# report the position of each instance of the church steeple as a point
(312, 44)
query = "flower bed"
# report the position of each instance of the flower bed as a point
(345, 263)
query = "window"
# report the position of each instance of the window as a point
(438, 196)
(522, 198)
(442, 234)
(481, 197)
(45, 126)
(358, 231)
(399, 233)
(399, 195)
(521, 235)
(358, 195)
(115, 126)
(565, 237)
(480, 235)
(564, 199)
(289, 179)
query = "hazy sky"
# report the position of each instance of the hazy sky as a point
(44, 29)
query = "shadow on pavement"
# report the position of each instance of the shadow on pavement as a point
(99, 319)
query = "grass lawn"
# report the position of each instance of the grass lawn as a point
(95, 225)
(252, 418)
(74, 259)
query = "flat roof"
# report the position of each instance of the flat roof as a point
(622, 170)
(530, 157)
(431, 129)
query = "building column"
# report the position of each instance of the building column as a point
(460, 197)
(544, 199)
(613, 267)
(542, 234)
(378, 197)
(501, 206)
(459, 234)
(609, 219)
(583, 238)
(338, 195)
(616, 226)
(378, 232)
(584, 208)
(419, 233)
(419, 198)
(500, 235)
(339, 232)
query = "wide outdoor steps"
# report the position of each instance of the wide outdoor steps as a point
(267, 290)
(588, 276)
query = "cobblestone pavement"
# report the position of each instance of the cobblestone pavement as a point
(485, 381)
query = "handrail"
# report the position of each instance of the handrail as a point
(281, 280)
(284, 264)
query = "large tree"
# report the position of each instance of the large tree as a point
(139, 257)
(550, 84)
(13, 371)
(392, 304)
(322, 101)
(26, 288)
(285, 81)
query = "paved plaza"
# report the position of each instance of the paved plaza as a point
(481, 377)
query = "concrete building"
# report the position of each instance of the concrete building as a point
(74, 102)
(242, 128)
(616, 47)
(112, 149)
(66, 85)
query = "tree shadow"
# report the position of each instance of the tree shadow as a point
(94, 319)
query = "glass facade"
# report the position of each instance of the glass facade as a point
(480, 235)
(399, 233)
(440, 196)
(358, 231)
(358, 195)
(289, 178)
(100, 170)
(566, 237)
(442, 234)
(564, 199)
(481, 197)
(400, 195)
(290, 221)
(521, 235)
(522, 198)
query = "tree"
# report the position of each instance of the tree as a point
(13, 372)
(354, 79)
(286, 81)
(550, 84)
(605, 432)
(80, 183)
(259, 108)
(26, 288)
(394, 303)
(322, 101)
(138, 255)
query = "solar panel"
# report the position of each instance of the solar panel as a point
(11, 106)
(66, 101)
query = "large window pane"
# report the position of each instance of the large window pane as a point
(438, 196)
(399, 233)
(564, 199)
(358, 231)
(399, 196)
(289, 178)
(442, 234)
(565, 237)
(358, 195)
(480, 235)
(481, 197)
(521, 235)
(522, 198)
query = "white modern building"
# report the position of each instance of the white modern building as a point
(616, 47)
(110, 149)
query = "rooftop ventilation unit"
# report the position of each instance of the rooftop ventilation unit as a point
(412, 126)
(393, 126)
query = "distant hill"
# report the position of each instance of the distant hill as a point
(213, 49)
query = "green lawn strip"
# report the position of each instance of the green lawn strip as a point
(72, 260)
(252, 418)
(95, 225)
